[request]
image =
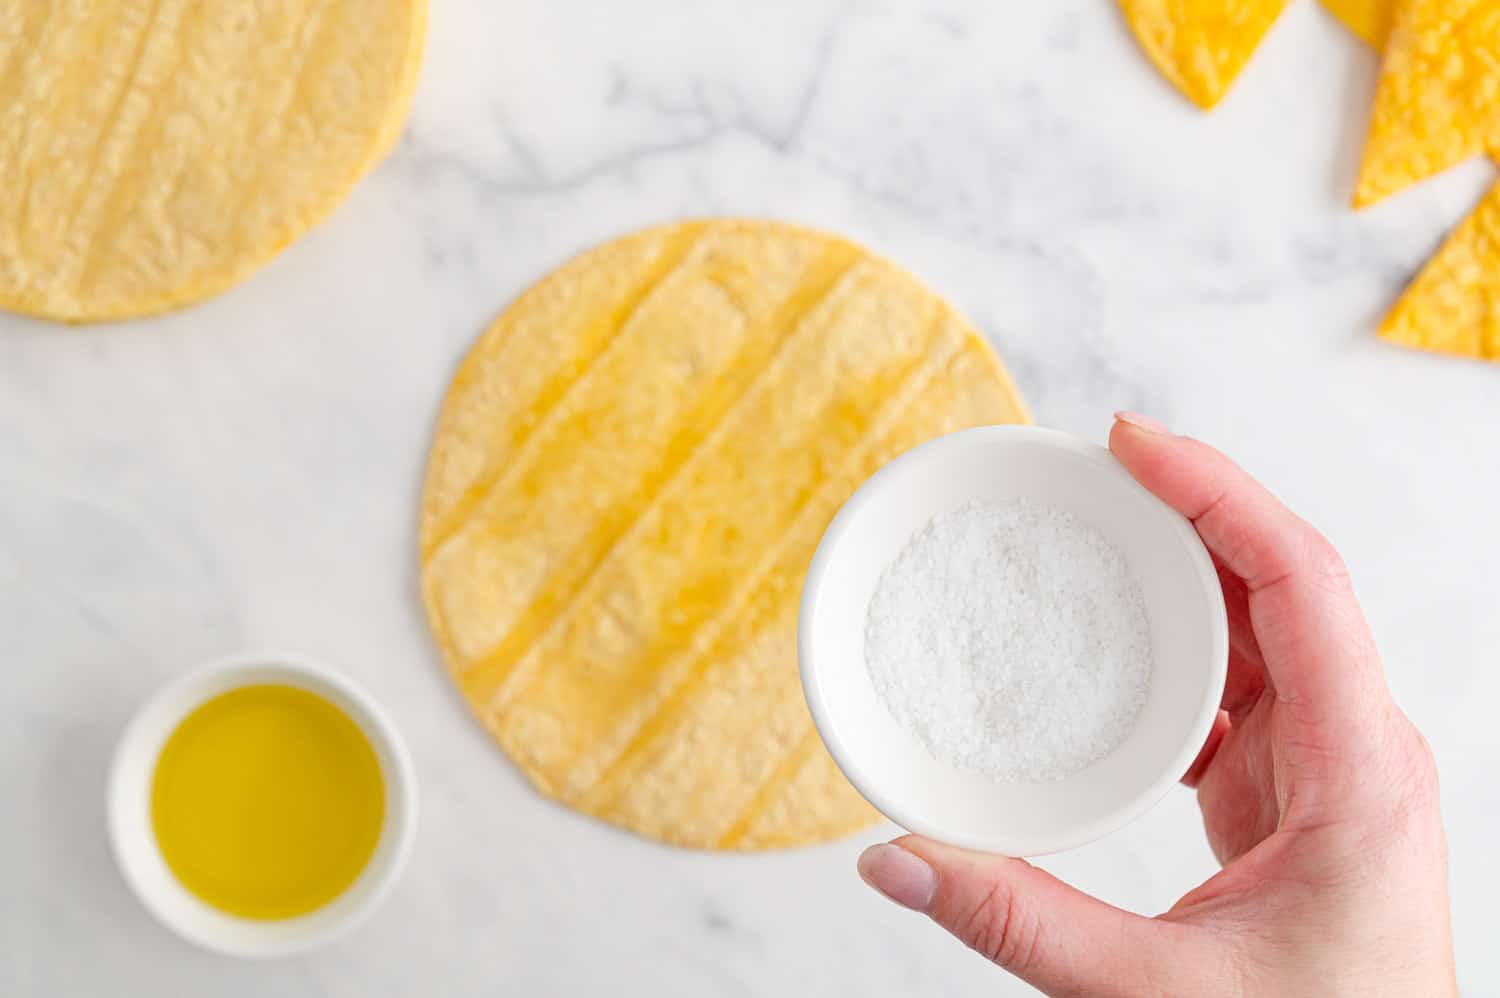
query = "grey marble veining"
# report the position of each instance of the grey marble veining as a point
(245, 473)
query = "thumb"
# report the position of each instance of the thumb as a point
(1055, 938)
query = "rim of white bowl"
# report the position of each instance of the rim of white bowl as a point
(999, 842)
(198, 922)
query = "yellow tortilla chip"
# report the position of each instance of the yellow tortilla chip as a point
(1200, 46)
(630, 474)
(1454, 304)
(1370, 20)
(1436, 104)
(155, 153)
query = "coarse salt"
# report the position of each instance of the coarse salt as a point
(1011, 639)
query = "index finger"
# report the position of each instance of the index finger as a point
(1312, 634)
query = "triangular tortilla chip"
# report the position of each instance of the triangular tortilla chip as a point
(1200, 46)
(1454, 304)
(1370, 20)
(1438, 102)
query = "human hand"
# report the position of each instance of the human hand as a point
(1318, 796)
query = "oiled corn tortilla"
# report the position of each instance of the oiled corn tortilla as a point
(630, 473)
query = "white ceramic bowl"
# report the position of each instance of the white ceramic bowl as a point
(135, 845)
(1184, 604)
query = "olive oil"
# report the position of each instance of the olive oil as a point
(267, 802)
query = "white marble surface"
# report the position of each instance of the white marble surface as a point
(244, 473)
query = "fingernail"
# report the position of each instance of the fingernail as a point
(899, 875)
(1141, 422)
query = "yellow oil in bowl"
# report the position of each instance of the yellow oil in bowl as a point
(267, 802)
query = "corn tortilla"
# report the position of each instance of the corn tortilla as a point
(629, 475)
(155, 153)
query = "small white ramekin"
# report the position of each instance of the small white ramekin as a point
(1185, 609)
(141, 861)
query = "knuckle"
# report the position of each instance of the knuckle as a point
(1411, 799)
(1324, 561)
(1422, 765)
(995, 927)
